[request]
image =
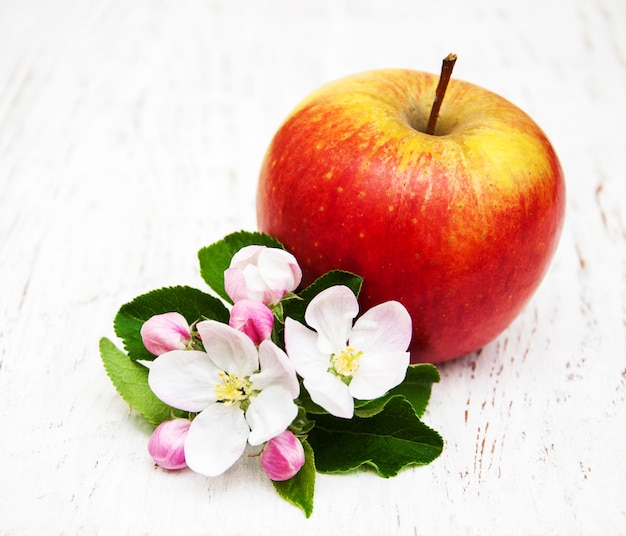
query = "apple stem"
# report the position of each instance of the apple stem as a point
(444, 78)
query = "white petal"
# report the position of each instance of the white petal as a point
(246, 255)
(276, 369)
(377, 373)
(328, 391)
(331, 313)
(384, 328)
(230, 349)
(217, 438)
(280, 272)
(184, 379)
(300, 343)
(269, 414)
(256, 288)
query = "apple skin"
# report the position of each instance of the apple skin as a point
(459, 226)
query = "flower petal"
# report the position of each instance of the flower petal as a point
(331, 313)
(167, 444)
(377, 373)
(270, 413)
(300, 343)
(216, 439)
(329, 392)
(235, 284)
(184, 379)
(243, 276)
(229, 349)
(253, 318)
(276, 369)
(165, 332)
(280, 272)
(246, 255)
(283, 456)
(384, 328)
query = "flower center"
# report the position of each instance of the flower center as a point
(346, 362)
(232, 389)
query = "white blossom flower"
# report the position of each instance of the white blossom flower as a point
(262, 274)
(340, 362)
(240, 394)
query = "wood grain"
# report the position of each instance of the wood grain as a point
(131, 134)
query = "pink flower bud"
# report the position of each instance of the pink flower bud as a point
(262, 274)
(165, 332)
(283, 456)
(253, 318)
(167, 444)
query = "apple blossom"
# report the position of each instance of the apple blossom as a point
(165, 332)
(167, 444)
(262, 274)
(253, 318)
(282, 456)
(340, 362)
(241, 394)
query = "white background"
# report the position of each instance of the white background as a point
(131, 134)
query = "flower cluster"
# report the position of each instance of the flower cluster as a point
(241, 387)
(265, 367)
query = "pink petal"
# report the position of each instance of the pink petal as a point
(167, 444)
(283, 456)
(253, 318)
(235, 284)
(165, 332)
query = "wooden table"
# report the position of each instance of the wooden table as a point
(131, 134)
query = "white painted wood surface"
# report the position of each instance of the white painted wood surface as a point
(131, 133)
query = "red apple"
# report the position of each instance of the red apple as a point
(459, 226)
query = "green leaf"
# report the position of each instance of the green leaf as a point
(388, 441)
(130, 379)
(215, 259)
(415, 388)
(300, 489)
(192, 303)
(296, 308)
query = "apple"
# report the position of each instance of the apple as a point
(459, 225)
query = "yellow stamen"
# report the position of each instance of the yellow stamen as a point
(346, 362)
(232, 389)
